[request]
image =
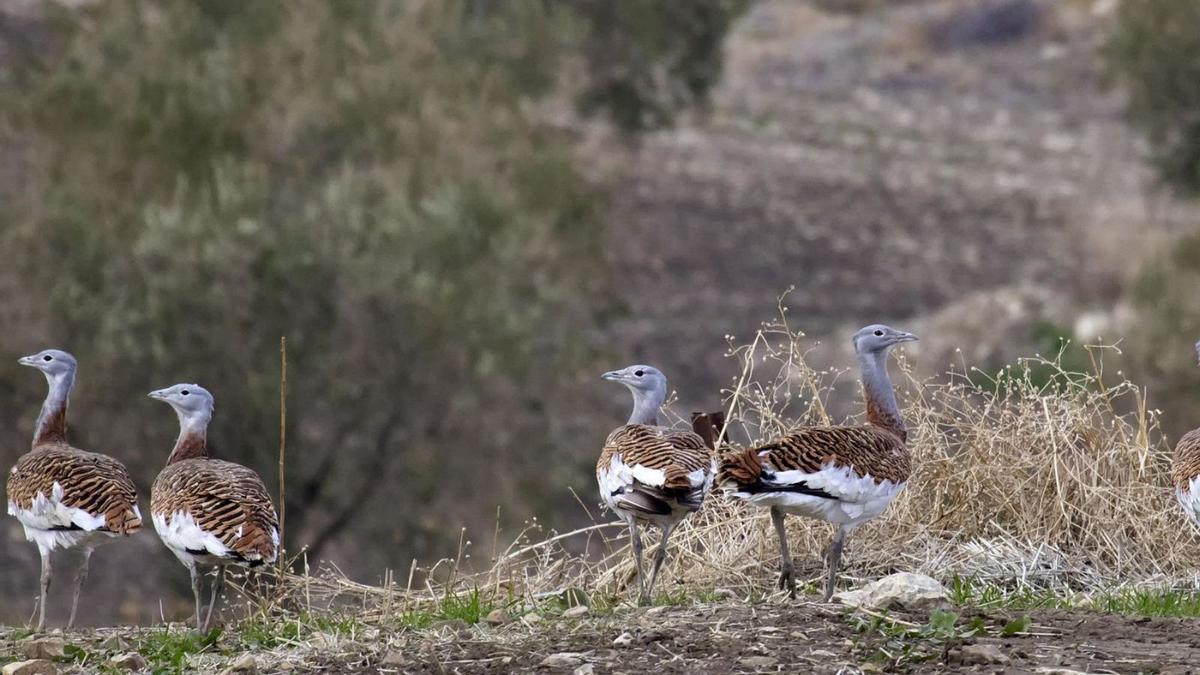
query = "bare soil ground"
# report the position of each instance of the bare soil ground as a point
(815, 638)
(729, 636)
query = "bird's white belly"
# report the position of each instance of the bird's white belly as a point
(1189, 499)
(47, 517)
(857, 499)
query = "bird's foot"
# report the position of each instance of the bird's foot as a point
(787, 581)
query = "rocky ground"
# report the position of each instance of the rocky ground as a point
(727, 636)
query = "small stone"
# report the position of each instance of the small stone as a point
(984, 654)
(497, 617)
(114, 643)
(324, 640)
(563, 660)
(623, 640)
(903, 589)
(724, 594)
(242, 665)
(585, 669)
(759, 662)
(128, 661)
(393, 659)
(576, 612)
(30, 667)
(453, 625)
(532, 617)
(655, 611)
(44, 648)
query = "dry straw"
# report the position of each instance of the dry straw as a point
(1034, 477)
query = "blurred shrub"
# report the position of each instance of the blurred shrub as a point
(192, 180)
(1168, 324)
(1155, 53)
(649, 59)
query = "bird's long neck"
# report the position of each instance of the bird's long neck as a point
(52, 422)
(882, 410)
(646, 405)
(193, 437)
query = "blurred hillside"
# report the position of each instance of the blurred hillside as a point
(460, 215)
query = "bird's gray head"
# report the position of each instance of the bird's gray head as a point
(878, 338)
(639, 378)
(649, 388)
(190, 401)
(52, 362)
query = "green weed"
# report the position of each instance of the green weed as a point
(166, 650)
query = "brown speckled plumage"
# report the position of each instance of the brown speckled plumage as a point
(94, 483)
(227, 500)
(676, 453)
(1186, 463)
(867, 450)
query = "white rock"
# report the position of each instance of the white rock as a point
(623, 640)
(585, 669)
(903, 589)
(497, 617)
(44, 648)
(243, 665)
(576, 612)
(983, 654)
(31, 667)
(563, 660)
(128, 661)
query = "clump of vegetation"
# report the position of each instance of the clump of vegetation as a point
(895, 643)
(1042, 492)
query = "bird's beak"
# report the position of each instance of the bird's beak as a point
(906, 337)
(611, 375)
(158, 394)
(30, 360)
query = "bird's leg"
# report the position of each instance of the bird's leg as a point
(660, 555)
(787, 572)
(197, 580)
(216, 595)
(635, 541)
(835, 559)
(80, 577)
(45, 583)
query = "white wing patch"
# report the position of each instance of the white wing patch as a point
(856, 498)
(618, 477)
(181, 534)
(47, 519)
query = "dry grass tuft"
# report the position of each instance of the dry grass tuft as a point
(1036, 477)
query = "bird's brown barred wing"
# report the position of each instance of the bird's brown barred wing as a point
(865, 450)
(227, 501)
(645, 468)
(1186, 463)
(96, 484)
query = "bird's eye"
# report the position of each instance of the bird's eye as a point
(878, 333)
(185, 392)
(47, 358)
(640, 373)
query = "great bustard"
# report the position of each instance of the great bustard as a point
(1185, 470)
(63, 496)
(650, 474)
(844, 475)
(209, 511)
